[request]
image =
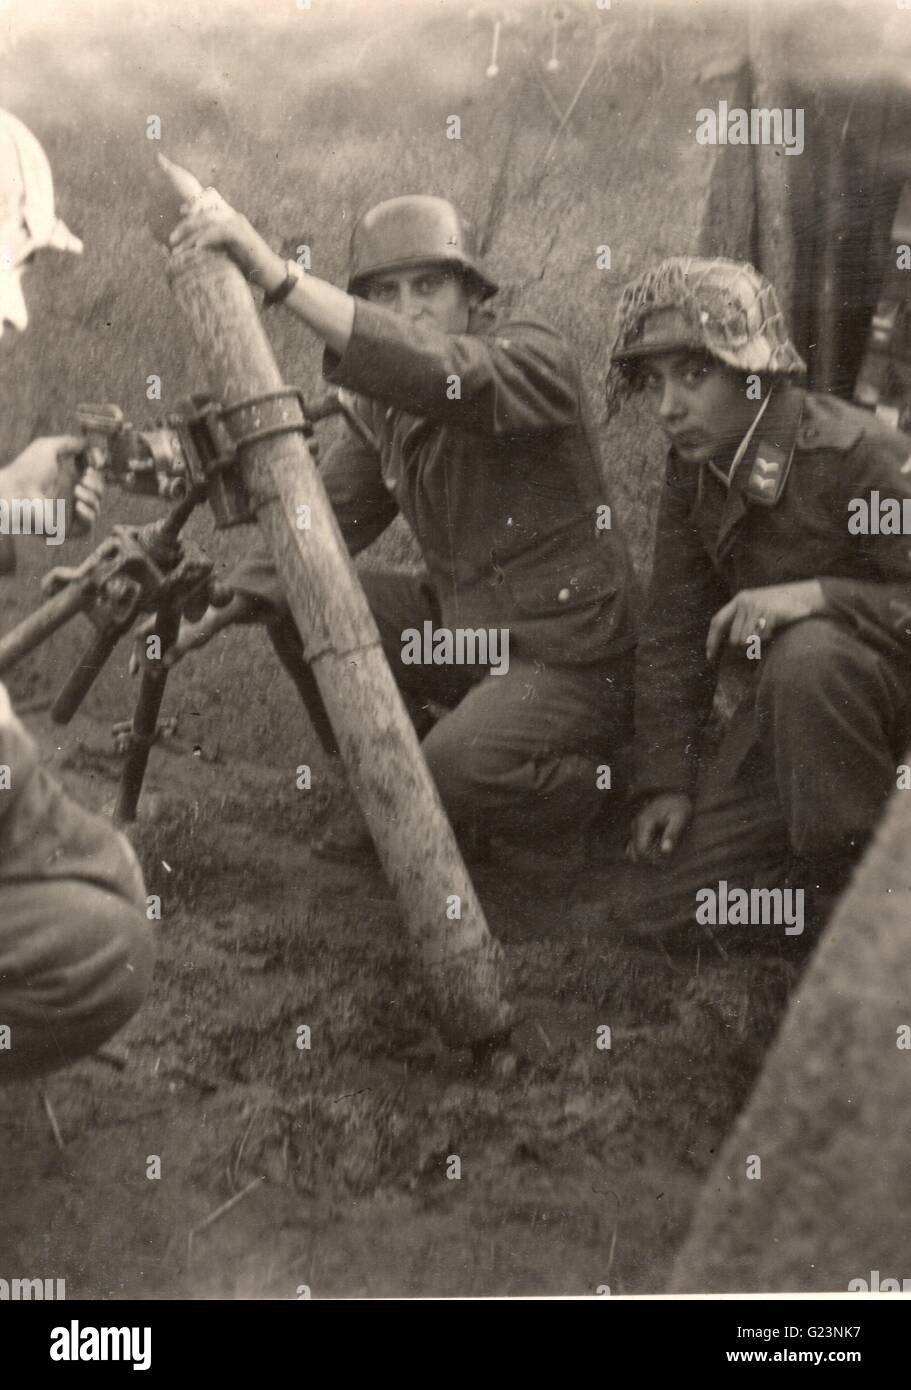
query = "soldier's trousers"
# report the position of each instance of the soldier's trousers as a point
(516, 754)
(797, 784)
(76, 949)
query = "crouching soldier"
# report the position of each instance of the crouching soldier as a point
(760, 563)
(479, 437)
(75, 945)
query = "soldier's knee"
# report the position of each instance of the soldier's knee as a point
(77, 964)
(803, 660)
(464, 769)
(124, 947)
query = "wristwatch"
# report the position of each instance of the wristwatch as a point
(281, 292)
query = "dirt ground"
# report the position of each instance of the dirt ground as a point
(579, 1166)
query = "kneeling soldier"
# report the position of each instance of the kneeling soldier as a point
(479, 437)
(755, 557)
(75, 946)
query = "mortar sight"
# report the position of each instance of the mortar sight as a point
(192, 453)
(146, 461)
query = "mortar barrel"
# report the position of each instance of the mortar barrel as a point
(377, 740)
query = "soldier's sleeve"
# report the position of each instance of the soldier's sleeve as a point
(674, 680)
(363, 507)
(523, 379)
(878, 608)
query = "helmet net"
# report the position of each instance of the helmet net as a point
(729, 308)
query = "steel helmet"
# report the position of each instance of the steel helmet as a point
(410, 231)
(718, 306)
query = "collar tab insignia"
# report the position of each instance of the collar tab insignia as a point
(769, 474)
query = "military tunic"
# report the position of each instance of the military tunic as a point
(482, 443)
(809, 757)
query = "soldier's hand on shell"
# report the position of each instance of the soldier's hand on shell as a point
(657, 829)
(759, 613)
(207, 221)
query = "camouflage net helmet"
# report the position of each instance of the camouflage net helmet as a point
(722, 307)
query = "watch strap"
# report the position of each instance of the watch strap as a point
(281, 292)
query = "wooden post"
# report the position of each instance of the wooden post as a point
(829, 1116)
(377, 740)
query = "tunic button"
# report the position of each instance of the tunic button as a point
(564, 596)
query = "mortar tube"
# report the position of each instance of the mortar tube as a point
(460, 960)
